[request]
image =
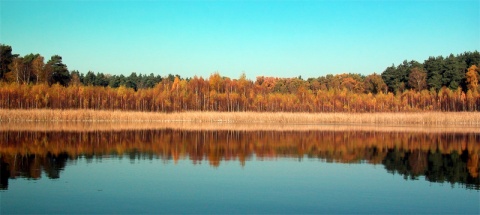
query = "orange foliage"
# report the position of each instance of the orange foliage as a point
(338, 146)
(343, 93)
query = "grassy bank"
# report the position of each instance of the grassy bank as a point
(410, 118)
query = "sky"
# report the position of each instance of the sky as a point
(258, 38)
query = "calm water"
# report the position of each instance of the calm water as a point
(225, 171)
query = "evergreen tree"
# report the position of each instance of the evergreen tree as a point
(89, 79)
(454, 73)
(434, 67)
(6, 57)
(58, 70)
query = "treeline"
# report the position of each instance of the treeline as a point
(440, 157)
(31, 69)
(439, 84)
(434, 73)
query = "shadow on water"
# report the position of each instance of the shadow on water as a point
(439, 157)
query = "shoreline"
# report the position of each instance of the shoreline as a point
(372, 119)
(221, 126)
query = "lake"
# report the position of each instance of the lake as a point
(225, 168)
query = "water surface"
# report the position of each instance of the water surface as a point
(169, 170)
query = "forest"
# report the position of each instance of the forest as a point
(438, 84)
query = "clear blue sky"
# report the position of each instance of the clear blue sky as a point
(270, 38)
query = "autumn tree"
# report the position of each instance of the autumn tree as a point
(38, 69)
(28, 73)
(16, 70)
(353, 83)
(472, 78)
(417, 79)
(75, 79)
(216, 82)
(374, 84)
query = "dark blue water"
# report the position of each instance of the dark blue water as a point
(245, 172)
(286, 185)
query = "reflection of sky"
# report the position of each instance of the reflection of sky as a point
(282, 185)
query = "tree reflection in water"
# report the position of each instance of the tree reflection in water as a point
(440, 157)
